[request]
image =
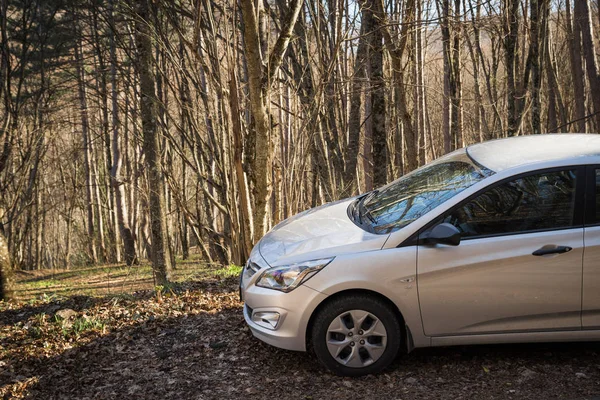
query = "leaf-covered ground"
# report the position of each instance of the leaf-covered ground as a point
(192, 343)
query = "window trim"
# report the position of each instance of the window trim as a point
(579, 214)
(590, 196)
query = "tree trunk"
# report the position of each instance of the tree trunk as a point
(367, 145)
(117, 159)
(6, 271)
(113, 252)
(481, 124)
(396, 51)
(377, 86)
(419, 95)
(583, 19)
(511, 37)
(447, 100)
(574, 37)
(456, 82)
(354, 119)
(89, 181)
(246, 215)
(538, 18)
(161, 258)
(555, 101)
(259, 97)
(95, 162)
(259, 83)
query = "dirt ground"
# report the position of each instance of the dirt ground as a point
(192, 343)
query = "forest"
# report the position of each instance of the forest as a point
(157, 130)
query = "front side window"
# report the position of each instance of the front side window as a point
(537, 202)
(398, 204)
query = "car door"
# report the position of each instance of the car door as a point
(590, 316)
(492, 282)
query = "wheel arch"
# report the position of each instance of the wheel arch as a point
(406, 339)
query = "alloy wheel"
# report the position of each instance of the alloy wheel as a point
(356, 338)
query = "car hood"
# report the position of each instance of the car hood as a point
(320, 232)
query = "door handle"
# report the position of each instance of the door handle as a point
(552, 250)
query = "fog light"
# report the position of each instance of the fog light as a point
(266, 319)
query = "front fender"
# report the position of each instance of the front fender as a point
(391, 273)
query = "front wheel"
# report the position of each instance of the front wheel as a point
(356, 335)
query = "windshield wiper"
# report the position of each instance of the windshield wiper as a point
(354, 211)
(370, 195)
(362, 209)
(369, 216)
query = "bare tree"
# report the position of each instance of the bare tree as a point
(117, 159)
(195, 126)
(6, 271)
(583, 20)
(396, 52)
(6, 267)
(161, 258)
(511, 32)
(260, 79)
(538, 21)
(87, 154)
(356, 92)
(378, 104)
(577, 76)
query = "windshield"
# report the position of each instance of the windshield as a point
(399, 203)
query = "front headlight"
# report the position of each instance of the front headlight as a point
(288, 277)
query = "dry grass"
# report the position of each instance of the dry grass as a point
(106, 280)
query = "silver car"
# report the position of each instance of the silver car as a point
(495, 243)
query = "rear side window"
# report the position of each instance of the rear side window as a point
(544, 201)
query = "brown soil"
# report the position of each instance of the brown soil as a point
(193, 343)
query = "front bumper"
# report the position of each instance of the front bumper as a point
(295, 309)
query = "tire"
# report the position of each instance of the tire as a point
(361, 350)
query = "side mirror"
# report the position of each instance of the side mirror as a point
(444, 233)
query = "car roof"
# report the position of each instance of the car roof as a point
(502, 154)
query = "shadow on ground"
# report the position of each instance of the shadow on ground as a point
(77, 303)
